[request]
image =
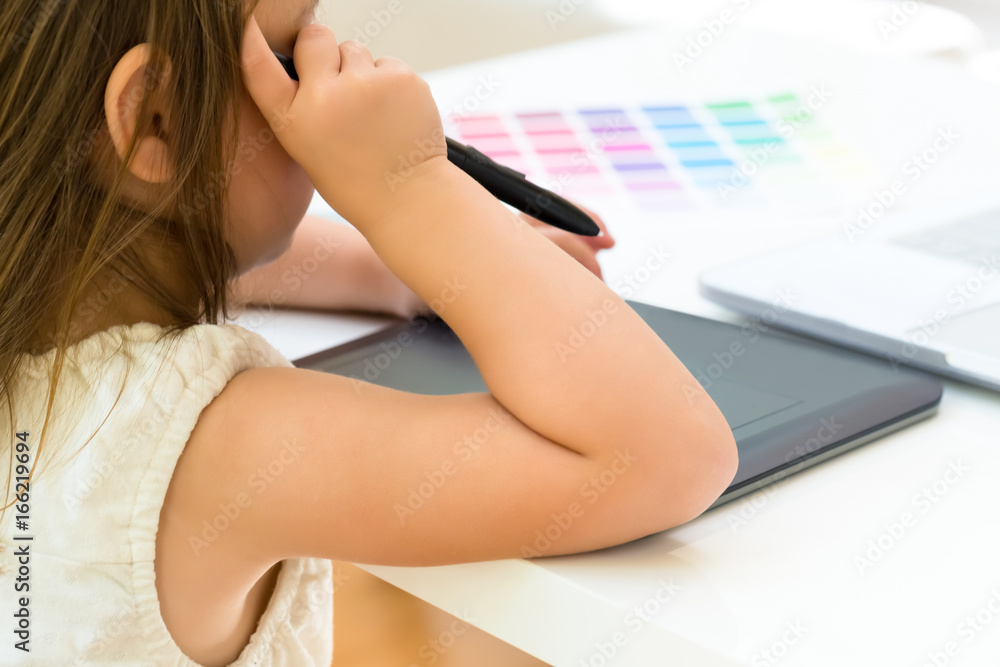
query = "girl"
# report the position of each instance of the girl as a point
(176, 487)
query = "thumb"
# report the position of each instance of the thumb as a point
(272, 90)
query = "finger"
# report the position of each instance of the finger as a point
(590, 262)
(602, 242)
(355, 57)
(605, 240)
(266, 81)
(316, 53)
(576, 247)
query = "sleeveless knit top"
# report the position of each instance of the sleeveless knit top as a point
(94, 507)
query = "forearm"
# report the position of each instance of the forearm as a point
(554, 344)
(329, 266)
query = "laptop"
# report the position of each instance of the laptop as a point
(791, 402)
(917, 288)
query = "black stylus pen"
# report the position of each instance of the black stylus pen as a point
(509, 186)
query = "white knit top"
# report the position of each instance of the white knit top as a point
(94, 507)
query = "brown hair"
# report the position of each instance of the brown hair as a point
(61, 227)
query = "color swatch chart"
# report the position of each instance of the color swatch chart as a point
(767, 152)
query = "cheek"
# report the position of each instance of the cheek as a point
(269, 193)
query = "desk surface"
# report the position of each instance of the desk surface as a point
(886, 555)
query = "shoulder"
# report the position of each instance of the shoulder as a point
(233, 438)
(206, 563)
(227, 343)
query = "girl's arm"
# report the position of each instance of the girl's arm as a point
(329, 266)
(592, 432)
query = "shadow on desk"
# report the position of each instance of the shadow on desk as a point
(379, 625)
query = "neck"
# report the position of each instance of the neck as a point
(113, 299)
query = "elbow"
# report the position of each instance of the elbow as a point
(713, 467)
(700, 474)
(716, 457)
(722, 453)
(677, 476)
(723, 462)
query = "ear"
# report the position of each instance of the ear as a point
(132, 80)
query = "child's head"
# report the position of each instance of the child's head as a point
(137, 177)
(133, 164)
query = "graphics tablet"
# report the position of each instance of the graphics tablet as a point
(791, 402)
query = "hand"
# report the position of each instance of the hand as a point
(363, 130)
(583, 248)
(403, 302)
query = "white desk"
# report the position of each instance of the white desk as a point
(848, 563)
